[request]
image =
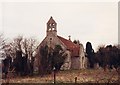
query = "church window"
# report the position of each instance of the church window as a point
(53, 28)
(50, 38)
(49, 29)
(49, 24)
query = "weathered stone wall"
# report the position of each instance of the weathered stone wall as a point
(86, 62)
(75, 62)
(80, 61)
(82, 57)
(67, 62)
(51, 41)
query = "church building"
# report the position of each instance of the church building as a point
(75, 52)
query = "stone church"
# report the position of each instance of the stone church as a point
(75, 52)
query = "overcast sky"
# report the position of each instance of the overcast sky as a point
(96, 22)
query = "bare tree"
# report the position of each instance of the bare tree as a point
(26, 45)
(2, 44)
(11, 47)
(17, 42)
(29, 46)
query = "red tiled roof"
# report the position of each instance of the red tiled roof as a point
(74, 48)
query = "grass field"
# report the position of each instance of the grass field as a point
(83, 76)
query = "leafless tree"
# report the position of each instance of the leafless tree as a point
(2, 44)
(18, 42)
(11, 47)
(26, 45)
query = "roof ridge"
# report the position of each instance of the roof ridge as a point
(74, 48)
(67, 40)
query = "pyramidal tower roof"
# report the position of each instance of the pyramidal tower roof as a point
(51, 20)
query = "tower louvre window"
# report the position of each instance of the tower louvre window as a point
(51, 27)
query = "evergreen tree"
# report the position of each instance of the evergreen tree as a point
(90, 54)
(51, 58)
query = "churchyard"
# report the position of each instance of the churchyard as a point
(69, 76)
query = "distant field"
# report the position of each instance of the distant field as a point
(83, 76)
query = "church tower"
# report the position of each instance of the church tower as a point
(51, 27)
